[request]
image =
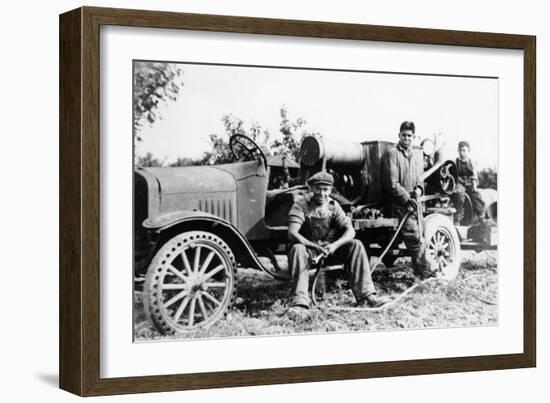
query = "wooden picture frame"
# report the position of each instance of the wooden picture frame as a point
(79, 346)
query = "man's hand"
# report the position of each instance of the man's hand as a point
(330, 249)
(317, 248)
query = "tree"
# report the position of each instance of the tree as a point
(186, 161)
(290, 143)
(154, 83)
(220, 152)
(147, 160)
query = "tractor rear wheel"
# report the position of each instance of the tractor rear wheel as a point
(442, 245)
(190, 283)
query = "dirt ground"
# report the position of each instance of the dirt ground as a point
(262, 304)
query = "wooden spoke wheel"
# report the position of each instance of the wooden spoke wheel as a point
(190, 283)
(442, 245)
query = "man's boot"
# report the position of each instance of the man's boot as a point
(373, 301)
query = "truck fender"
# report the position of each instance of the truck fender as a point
(168, 220)
(168, 225)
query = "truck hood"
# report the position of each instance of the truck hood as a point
(200, 179)
(204, 179)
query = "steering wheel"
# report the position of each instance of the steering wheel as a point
(244, 148)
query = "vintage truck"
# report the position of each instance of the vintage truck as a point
(195, 226)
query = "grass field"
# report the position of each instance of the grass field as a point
(262, 304)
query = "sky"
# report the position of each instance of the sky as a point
(342, 106)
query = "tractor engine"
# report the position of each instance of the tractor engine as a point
(357, 170)
(356, 167)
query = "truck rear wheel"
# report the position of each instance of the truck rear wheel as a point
(190, 283)
(442, 245)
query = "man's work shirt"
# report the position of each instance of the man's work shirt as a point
(402, 172)
(318, 224)
(466, 171)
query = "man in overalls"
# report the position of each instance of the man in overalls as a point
(467, 184)
(317, 225)
(402, 169)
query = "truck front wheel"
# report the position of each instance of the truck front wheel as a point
(190, 283)
(442, 245)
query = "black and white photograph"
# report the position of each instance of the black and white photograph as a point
(273, 200)
(243, 201)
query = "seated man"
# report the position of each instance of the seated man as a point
(467, 184)
(311, 222)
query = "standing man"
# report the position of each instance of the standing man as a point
(317, 225)
(467, 184)
(402, 169)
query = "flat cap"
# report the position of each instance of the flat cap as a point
(321, 178)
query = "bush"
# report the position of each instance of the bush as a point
(487, 178)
